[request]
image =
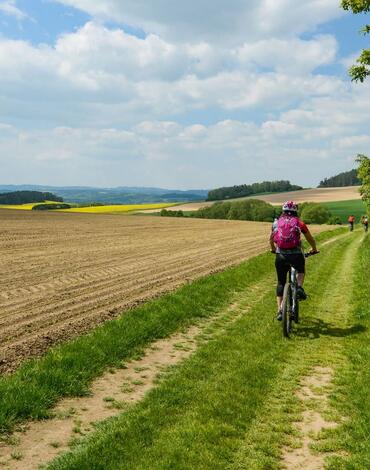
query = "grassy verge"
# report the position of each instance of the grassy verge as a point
(200, 415)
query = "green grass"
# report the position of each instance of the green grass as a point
(343, 209)
(352, 398)
(232, 404)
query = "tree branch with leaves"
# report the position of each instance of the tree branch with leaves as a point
(361, 71)
(363, 172)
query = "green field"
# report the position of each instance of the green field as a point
(343, 209)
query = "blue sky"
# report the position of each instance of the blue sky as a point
(120, 92)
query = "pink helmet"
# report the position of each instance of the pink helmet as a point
(290, 206)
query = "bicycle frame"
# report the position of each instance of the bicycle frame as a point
(294, 285)
(290, 302)
(290, 305)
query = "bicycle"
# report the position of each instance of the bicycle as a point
(290, 303)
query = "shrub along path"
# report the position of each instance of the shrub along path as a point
(243, 399)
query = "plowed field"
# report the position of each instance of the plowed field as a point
(63, 274)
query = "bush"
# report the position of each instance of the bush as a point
(334, 220)
(48, 207)
(313, 213)
(166, 213)
(249, 209)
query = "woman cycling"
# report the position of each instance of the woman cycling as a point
(285, 241)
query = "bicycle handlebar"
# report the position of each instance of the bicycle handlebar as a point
(306, 255)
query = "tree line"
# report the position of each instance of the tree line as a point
(27, 197)
(258, 211)
(243, 190)
(347, 178)
(364, 175)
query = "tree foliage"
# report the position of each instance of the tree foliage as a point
(347, 178)
(50, 207)
(361, 71)
(249, 209)
(167, 213)
(231, 192)
(314, 213)
(363, 173)
(26, 197)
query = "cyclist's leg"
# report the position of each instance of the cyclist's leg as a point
(282, 268)
(297, 260)
(300, 279)
(299, 263)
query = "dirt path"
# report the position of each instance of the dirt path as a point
(314, 395)
(41, 441)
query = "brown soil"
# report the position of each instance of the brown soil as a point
(315, 195)
(305, 195)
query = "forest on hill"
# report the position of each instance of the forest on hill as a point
(119, 195)
(243, 190)
(26, 197)
(347, 178)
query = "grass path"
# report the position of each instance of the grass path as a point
(236, 403)
(318, 344)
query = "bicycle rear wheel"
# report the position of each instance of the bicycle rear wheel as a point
(286, 309)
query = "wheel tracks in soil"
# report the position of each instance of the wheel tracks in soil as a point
(126, 267)
(87, 265)
(39, 442)
(316, 386)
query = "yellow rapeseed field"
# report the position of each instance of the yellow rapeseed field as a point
(24, 207)
(116, 208)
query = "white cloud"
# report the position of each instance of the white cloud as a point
(233, 22)
(9, 7)
(105, 77)
(292, 56)
(304, 144)
(104, 107)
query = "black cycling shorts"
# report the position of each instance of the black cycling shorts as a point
(282, 265)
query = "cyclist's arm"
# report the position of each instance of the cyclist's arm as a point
(310, 240)
(272, 244)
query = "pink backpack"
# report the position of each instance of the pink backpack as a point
(287, 234)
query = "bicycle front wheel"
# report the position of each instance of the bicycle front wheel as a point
(286, 309)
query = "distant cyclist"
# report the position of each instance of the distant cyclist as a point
(285, 241)
(351, 221)
(365, 222)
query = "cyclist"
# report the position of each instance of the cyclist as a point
(365, 222)
(351, 221)
(285, 241)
